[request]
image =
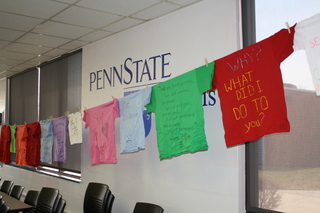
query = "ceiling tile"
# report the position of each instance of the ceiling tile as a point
(184, 2)
(10, 62)
(9, 35)
(17, 22)
(156, 11)
(62, 30)
(4, 43)
(67, 1)
(33, 8)
(74, 45)
(123, 24)
(43, 40)
(96, 35)
(55, 53)
(121, 7)
(15, 55)
(40, 59)
(26, 48)
(86, 17)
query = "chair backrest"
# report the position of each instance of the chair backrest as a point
(95, 198)
(61, 205)
(46, 200)
(141, 207)
(6, 186)
(110, 200)
(16, 191)
(56, 202)
(2, 202)
(4, 209)
(32, 197)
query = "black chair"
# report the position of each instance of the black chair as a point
(16, 191)
(61, 205)
(95, 199)
(6, 186)
(31, 199)
(141, 207)
(56, 202)
(110, 200)
(2, 202)
(4, 209)
(46, 200)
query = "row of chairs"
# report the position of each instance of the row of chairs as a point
(99, 199)
(48, 200)
(3, 208)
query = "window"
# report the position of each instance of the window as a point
(53, 90)
(283, 170)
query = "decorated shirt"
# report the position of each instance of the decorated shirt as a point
(307, 37)
(101, 121)
(5, 139)
(251, 90)
(33, 144)
(46, 141)
(177, 104)
(21, 144)
(132, 131)
(13, 138)
(75, 128)
(60, 131)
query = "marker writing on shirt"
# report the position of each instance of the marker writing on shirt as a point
(314, 42)
(247, 59)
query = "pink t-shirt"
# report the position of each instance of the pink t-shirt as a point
(101, 121)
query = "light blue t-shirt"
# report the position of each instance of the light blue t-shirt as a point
(46, 141)
(132, 132)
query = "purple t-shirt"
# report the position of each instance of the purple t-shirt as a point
(60, 131)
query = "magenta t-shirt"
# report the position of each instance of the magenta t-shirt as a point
(60, 131)
(101, 121)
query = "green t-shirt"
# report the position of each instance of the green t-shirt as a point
(13, 138)
(177, 104)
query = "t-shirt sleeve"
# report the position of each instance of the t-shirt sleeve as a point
(299, 40)
(204, 77)
(86, 118)
(151, 107)
(116, 108)
(146, 96)
(282, 43)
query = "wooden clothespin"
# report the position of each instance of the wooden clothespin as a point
(147, 85)
(51, 117)
(288, 27)
(206, 61)
(66, 113)
(79, 108)
(112, 98)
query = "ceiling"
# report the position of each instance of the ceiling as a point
(36, 31)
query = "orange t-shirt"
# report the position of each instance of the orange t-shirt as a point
(21, 144)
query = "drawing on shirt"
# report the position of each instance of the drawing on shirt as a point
(105, 130)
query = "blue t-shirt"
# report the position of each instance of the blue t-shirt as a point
(46, 141)
(132, 132)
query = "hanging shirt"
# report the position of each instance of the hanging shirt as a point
(46, 141)
(5, 139)
(177, 104)
(60, 131)
(251, 90)
(132, 131)
(101, 121)
(307, 37)
(13, 138)
(33, 144)
(21, 144)
(75, 128)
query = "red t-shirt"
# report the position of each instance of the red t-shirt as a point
(21, 144)
(33, 144)
(251, 90)
(5, 144)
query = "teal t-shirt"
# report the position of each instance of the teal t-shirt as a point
(177, 104)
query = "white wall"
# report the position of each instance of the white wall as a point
(208, 181)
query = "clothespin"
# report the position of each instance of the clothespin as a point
(288, 27)
(147, 85)
(112, 98)
(206, 61)
(66, 113)
(25, 122)
(79, 108)
(51, 117)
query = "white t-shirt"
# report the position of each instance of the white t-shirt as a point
(75, 127)
(307, 37)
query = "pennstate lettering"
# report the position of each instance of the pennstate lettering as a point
(131, 71)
